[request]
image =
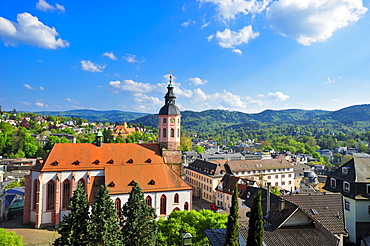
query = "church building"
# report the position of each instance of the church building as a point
(155, 166)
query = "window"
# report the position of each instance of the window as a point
(178, 133)
(176, 198)
(345, 170)
(163, 207)
(186, 206)
(82, 183)
(164, 132)
(368, 189)
(66, 193)
(347, 205)
(148, 201)
(118, 206)
(289, 175)
(172, 133)
(283, 183)
(164, 120)
(290, 182)
(176, 209)
(269, 177)
(333, 183)
(276, 183)
(346, 186)
(50, 195)
(35, 186)
(283, 176)
(276, 176)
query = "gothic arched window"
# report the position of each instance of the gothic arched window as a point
(50, 195)
(148, 201)
(163, 207)
(164, 132)
(172, 133)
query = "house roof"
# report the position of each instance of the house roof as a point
(326, 208)
(255, 165)
(151, 178)
(207, 167)
(275, 217)
(15, 190)
(358, 171)
(314, 235)
(85, 156)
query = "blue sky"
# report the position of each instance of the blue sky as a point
(243, 55)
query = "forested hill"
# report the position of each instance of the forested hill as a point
(216, 118)
(220, 118)
(94, 115)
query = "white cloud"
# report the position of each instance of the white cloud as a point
(44, 6)
(33, 88)
(278, 96)
(230, 39)
(237, 51)
(187, 23)
(335, 100)
(142, 98)
(91, 67)
(205, 25)
(41, 105)
(197, 81)
(331, 80)
(132, 86)
(227, 99)
(311, 21)
(26, 103)
(110, 55)
(228, 9)
(130, 58)
(70, 100)
(29, 30)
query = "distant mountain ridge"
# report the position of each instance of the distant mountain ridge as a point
(218, 118)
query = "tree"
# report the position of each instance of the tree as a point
(193, 222)
(104, 227)
(276, 191)
(199, 149)
(255, 231)
(10, 238)
(74, 227)
(185, 143)
(138, 220)
(232, 231)
(13, 184)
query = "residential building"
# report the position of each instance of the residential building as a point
(352, 180)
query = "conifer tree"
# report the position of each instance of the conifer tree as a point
(232, 231)
(74, 227)
(104, 225)
(138, 220)
(255, 231)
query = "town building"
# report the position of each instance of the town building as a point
(204, 176)
(352, 180)
(155, 166)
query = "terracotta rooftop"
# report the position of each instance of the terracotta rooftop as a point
(85, 156)
(151, 178)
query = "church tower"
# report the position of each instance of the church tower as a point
(169, 122)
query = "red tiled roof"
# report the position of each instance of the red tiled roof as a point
(151, 178)
(85, 156)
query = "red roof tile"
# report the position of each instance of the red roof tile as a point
(85, 156)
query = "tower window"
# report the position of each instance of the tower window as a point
(164, 132)
(172, 133)
(164, 120)
(178, 133)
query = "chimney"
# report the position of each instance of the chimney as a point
(281, 205)
(268, 197)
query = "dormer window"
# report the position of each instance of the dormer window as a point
(130, 161)
(151, 182)
(132, 183)
(345, 170)
(148, 161)
(55, 163)
(96, 162)
(76, 162)
(346, 186)
(111, 184)
(110, 161)
(333, 183)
